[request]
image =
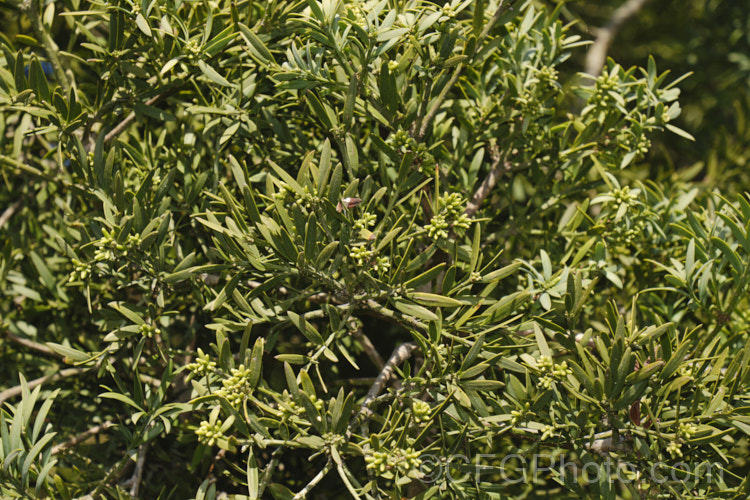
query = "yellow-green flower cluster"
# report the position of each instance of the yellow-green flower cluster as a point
(202, 365)
(382, 264)
(149, 330)
(420, 410)
(360, 254)
(605, 93)
(209, 433)
(449, 214)
(237, 386)
(687, 430)
(675, 449)
(401, 460)
(333, 439)
(81, 271)
(517, 415)
(107, 247)
(306, 200)
(547, 432)
(437, 228)
(365, 221)
(452, 203)
(551, 371)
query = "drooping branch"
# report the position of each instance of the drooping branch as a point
(597, 54)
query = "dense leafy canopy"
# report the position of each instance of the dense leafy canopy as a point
(221, 218)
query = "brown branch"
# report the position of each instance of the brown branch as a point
(82, 437)
(120, 128)
(30, 344)
(498, 168)
(370, 350)
(15, 391)
(597, 54)
(8, 213)
(400, 354)
(135, 481)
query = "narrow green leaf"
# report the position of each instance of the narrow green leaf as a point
(142, 24)
(213, 75)
(304, 326)
(415, 310)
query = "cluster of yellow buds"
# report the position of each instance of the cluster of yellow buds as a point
(360, 254)
(149, 330)
(108, 247)
(202, 365)
(420, 410)
(81, 271)
(237, 386)
(402, 460)
(552, 371)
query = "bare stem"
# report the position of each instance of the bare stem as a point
(370, 350)
(43, 349)
(394, 315)
(270, 468)
(82, 437)
(15, 391)
(400, 354)
(135, 480)
(598, 52)
(314, 481)
(427, 120)
(430, 116)
(120, 128)
(498, 168)
(8, 213)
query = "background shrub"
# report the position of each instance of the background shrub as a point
(357, 250)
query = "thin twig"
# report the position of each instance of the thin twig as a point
(498, 168)
(120, 128)
(604, 442)
(604, 36)
(427, 120)
(270, 468)
(344, 474)
(314, 481)
(135, 480)
(8, 213)
(15, 391)
(82, 437)
(400, 354)
(41, 348)
(395, 315)
(370, 350)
